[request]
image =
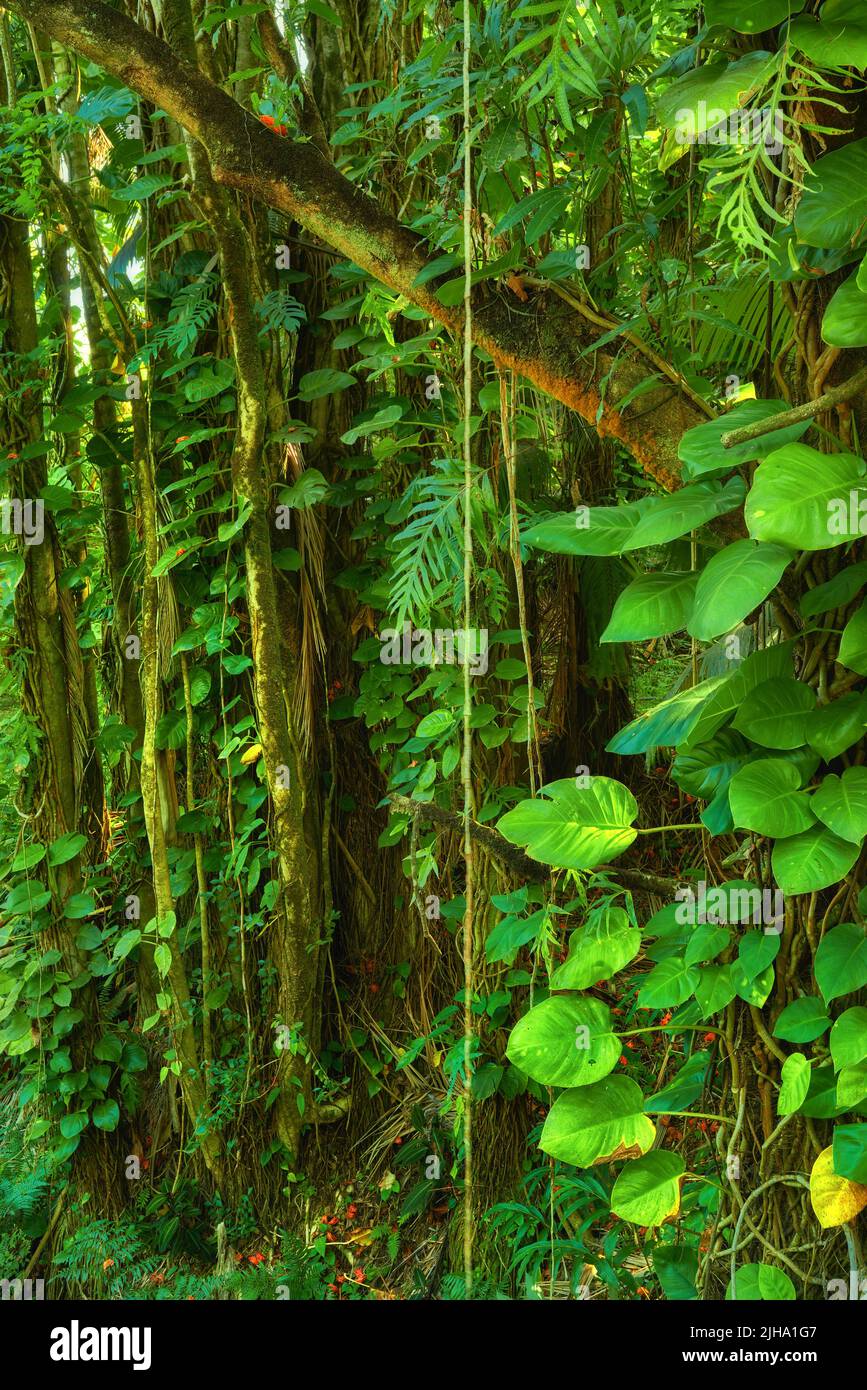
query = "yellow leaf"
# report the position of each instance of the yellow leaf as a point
(835, 1199)
(252, 754)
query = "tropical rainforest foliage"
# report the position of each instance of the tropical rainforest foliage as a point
(432, 599)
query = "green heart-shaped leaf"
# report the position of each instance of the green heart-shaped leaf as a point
(574, 827)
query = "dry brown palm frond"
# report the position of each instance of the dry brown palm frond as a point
(168, 625)
(380, 1138)
(99, 148)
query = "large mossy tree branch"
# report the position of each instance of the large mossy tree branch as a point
(512, 857)
(544, 339)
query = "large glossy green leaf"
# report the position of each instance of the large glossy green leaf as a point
(852, 1086)
(774, 713)
(652, 521)
(669, 921)
(790, 259)
(801, 498)
(841, 589)
(716, 815)
(669, 983)
(594, 1124)
(686, 1087)
(735, 901)
(765, 796)
(812, 860)
(574, 827)
(705, 769)
(565, 1042)
(106, 1114)
(705, 943)
(833, 207)
(853, 643)
(850, 1152)
(756, 951)
(838, 39)
(753, 989)
(794, 1084)
(667, 723)
(844, 323)
(73, 1124)
(60, 851)
(586, 531)
(171, 730)
(435, 724)
(324, 382)
(821, 1102)
(700, 99)
(703, 455)
(755, 1282)
(210, 381)
(750, 16)
(833, 728)
(653, 605)
(734, 582)
(511, 933)
(676, 1267)
(841, 961)
(686, 510)
(598, 950)
(647, 1192)
(841, 803)
(722, 703)
(848, 1040)
(802, 1021)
